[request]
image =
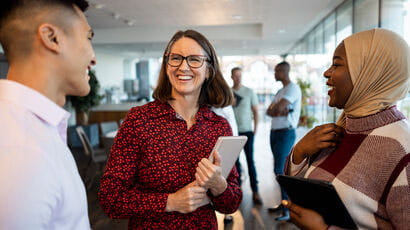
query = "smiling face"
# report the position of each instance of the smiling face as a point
(79, 56)
(184, 79)
(338, 79)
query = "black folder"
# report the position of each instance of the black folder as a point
(317, 195)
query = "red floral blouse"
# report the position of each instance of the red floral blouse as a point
(154, 155)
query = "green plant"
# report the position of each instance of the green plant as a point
(305, 89)
(310, 121)
(84, 104)
(305, 119)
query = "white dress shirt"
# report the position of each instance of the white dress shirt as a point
(293, 95)
(229, 115)
(40, 187)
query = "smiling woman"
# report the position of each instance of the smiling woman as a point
(158, 174)
(339, 79)
(366, 153)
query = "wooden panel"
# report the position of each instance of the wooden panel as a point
(100, 116)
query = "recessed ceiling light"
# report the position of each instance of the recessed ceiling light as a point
(98, 5)
(237, 16)
(281, 31)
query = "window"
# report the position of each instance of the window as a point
(366, 15)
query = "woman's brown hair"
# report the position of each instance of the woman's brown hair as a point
(214, 91)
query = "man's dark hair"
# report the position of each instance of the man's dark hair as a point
(18, 20)
(284, 63)
(235, 69)
(9, 6)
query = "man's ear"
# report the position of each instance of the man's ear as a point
(50, 37)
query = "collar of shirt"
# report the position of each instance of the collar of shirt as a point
(36, 103)
(166, 110)
(374, 121)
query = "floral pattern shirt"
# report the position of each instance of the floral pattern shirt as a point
(154, 154)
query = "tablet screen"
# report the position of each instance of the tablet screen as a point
(229, 149)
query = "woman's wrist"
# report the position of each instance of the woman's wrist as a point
(298, 156)
(168, 207)
(221, 187)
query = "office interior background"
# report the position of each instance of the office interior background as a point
(130, 37)
(253, 34)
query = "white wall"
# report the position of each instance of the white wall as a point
(109, 70)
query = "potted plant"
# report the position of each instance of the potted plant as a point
(305, 119)
(82, 106)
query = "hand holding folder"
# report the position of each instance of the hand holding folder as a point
(320, 196)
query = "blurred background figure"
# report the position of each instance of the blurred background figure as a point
(285, 113)
(246, 114)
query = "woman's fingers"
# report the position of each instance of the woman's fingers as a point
(205, 171)
(199, 180)
(327, 128)
(207, 163)
(292, 207)
(217, 159)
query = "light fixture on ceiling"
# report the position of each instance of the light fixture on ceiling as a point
(237, 16)
(97, 5)
(281, 31)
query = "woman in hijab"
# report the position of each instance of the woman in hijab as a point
(366, 153)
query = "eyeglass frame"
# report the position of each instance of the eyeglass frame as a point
(204, 58)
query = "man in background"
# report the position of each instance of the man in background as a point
(285, 112)
(246, 113)
(48, 46)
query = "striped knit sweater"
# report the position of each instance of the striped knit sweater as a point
(370, 170)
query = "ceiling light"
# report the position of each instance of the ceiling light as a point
(281, 31)
(236, 16)
(98, 5)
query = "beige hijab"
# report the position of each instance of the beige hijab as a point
(379, 62)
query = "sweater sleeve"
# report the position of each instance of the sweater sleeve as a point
(398, 198)
(119, 195)
(293, 169)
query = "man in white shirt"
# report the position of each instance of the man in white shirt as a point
(48, 47)
(285, 112)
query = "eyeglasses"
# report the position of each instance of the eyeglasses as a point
(194, 61)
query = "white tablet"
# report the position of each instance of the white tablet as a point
(229, 149)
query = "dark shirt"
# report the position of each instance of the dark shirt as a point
(154, 155)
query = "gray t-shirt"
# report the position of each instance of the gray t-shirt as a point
(245, 99)
(292, 94)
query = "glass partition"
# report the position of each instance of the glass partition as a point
(344, 21)
(366, 15)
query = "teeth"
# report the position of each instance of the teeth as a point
(185, 77)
